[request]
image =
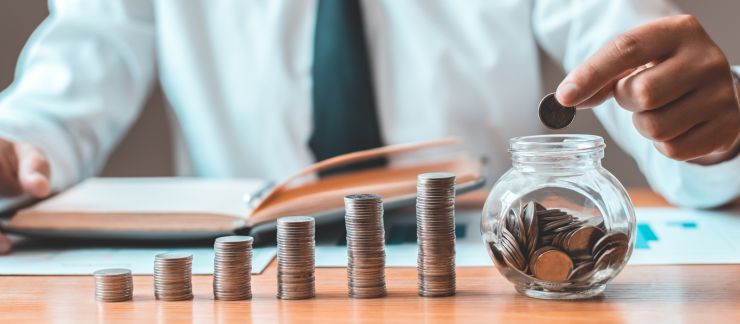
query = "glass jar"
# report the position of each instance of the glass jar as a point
(557, 224)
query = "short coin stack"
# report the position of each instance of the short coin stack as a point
(296, 257)
(113, 285)
(173, 276)
(232, 268)
(554, 246)
(365, 246)
(435, 231)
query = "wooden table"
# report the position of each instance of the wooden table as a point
(708, 294)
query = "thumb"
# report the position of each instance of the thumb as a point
(34, 171)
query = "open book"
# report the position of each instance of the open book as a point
(166, 208)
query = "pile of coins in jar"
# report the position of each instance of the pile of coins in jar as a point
(552, 245)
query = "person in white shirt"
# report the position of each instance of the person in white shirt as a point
(244, 78)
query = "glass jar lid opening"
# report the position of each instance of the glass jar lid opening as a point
(556, 144)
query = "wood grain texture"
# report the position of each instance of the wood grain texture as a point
(707, 293)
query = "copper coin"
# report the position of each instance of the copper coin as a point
(552, 265)
(580, 241)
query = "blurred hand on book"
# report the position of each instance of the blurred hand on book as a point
(24, 169)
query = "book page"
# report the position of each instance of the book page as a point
(171, 195)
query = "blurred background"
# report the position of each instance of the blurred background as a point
(147, 149)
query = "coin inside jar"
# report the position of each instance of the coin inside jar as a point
(579, 242)
(583, 246)
(554, 115)
(551, 265)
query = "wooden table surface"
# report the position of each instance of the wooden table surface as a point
(674, 294)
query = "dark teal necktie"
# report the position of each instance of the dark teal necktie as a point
(344, 116)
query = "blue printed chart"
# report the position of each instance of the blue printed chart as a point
(686, 236)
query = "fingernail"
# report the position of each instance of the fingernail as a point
(35, 176)
(567, 93)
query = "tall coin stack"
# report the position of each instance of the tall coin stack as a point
(435, 232)
(365, 246)
(296, 257)
(232, 268)
(113, 285)
(173, 276)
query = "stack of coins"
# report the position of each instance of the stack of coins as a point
(173, 276)
(113, 285)
(554, 246)
(365, 246)
(296, 257)
(232, 268)
(435, 231)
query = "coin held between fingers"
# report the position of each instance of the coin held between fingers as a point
(554, 115)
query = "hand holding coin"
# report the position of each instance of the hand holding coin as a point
(677, 82)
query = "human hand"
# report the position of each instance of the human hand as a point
(677, 82)
(6, 245)
(23, 169)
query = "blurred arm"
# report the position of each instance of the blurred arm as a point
(571, 31)
(81, 81)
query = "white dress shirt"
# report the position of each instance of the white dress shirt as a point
(237, 75)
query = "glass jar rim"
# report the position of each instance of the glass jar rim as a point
(556, 144)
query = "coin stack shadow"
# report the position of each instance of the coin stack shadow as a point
(296, 257)
(173, 276)
(435, 232)
(365, 246)
(113, 285)
(554, 246)
(232, 268)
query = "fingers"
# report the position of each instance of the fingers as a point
(9, 184)
(679, 117)
(719, 135)
(667, 81)
(34, 171)
(604, 94)
(696, 143)
(5, 244)
(632, 49)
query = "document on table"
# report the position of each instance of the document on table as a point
(685, 236)
(662, 236)
(86, 260)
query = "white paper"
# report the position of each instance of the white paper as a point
(685, 236)
(665, 236)
(85, 261)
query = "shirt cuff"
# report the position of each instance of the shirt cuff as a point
(699, 186)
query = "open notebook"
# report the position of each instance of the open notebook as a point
(167, 208)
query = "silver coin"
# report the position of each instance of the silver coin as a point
(173, 276)
(296, 257)
(554, 115)
(113, 285)
(365, 246)
(435, 220)
(232, 268)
